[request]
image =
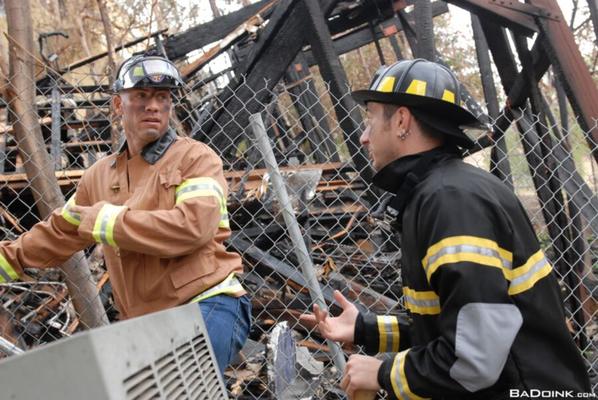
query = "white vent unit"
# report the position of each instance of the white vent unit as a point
(165, 355)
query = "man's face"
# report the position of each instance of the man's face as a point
(145, 113)
(378, 137)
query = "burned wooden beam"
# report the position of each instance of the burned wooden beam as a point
(179, 45)
(276, 48)
(562, 219)
(363, 36)
(499, 162)
(91, 59)
(520, 22)
(311, 114)
(424, 30)
(568, 63)
(579, 191)
(334, 75)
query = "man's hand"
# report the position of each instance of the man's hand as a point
(361, 374)
(84, 211)
(341, 328)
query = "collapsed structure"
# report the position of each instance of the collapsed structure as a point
(272, 44)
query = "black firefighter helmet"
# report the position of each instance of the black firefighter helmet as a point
(432, 93)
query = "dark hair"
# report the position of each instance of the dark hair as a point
(389, 110)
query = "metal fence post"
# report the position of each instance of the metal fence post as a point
(56, 116)
(261, 139)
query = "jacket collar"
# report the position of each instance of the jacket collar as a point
(152, 152)
(391, 177)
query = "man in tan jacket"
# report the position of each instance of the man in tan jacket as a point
(158, 209)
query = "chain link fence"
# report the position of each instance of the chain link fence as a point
(341, 216)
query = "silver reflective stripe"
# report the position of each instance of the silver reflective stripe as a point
(103, 225)
(5, 275)
(529, 274)
(422, 303)
(466, 248)
(388, 333)
(483, 339)
(200, 186)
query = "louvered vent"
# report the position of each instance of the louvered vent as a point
(142, 385)
(164, 355)
(188, 372)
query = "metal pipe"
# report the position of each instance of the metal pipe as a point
(9, 348)
(56, 118)
(262, 141)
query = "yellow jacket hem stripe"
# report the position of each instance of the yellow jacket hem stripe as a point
(398, 379)
(103, 229)
(7, 272)
(230, 285)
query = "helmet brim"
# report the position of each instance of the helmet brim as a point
(444, 109)
(442, 116)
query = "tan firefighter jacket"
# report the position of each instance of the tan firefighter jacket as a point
(161, 218)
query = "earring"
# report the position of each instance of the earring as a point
(403, 135)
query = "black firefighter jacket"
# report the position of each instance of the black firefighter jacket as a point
(487, 317)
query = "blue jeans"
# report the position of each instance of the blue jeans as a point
(227, 320)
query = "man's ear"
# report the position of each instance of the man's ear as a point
(403, 119)
(117, 104)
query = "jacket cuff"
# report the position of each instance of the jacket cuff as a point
(366, 333)
(98, 225)
(7, 271)
(384, 377)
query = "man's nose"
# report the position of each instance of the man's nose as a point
(152, 104)
(364, 139)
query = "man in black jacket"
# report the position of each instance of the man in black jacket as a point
(487, 318)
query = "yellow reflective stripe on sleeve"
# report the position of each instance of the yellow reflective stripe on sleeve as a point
(103, 229)
(417, 87)
(230, 285)
(420, 302)
(388, 329)
(526, 276)
(7, 272)
(71, 217)
(484, 252)
(204, 187)
(467, 248)
(398, 378)
(387, 84)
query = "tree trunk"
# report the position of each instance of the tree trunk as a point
(37, 164)
(114, 135)
(215, 10)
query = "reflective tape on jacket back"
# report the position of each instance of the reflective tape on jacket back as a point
(204, 187)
